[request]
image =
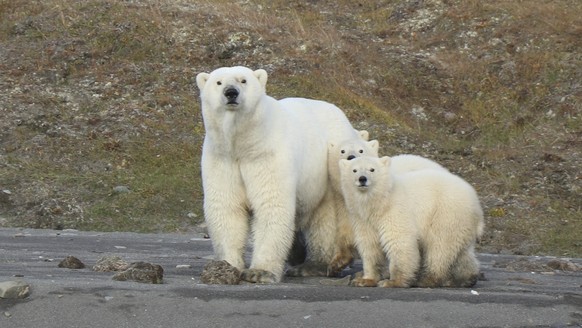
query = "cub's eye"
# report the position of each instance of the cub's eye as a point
(243, 81)
(355, 171)
(361, 151)
(219, 83)
(371, 170)
(343, 151)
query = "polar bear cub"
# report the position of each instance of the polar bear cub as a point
(425, 222)
(350, 149)
(266, 159)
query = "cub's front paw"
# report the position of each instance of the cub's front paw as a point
(259, 276)
(361, 282)
(340, 262)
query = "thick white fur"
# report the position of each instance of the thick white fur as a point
(407, 163)
(266, 159)
(352, 148)
(349, 148)
(426, 222)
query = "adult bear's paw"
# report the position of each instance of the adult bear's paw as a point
(259, 276)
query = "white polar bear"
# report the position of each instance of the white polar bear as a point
(266, 159)
(350, 149)
(426, 222)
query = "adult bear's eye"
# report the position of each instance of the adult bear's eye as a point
(361, 151)
(355, 171)
(219, 83)
(343, 151)
(371, 170)
(243, 81)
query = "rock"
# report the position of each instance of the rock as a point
(15, 289)
(183, 266)
(110, 263)
(526, 265)
(5, 196)
(71, 262)
(563, 265)
(220, 273)
(121, 189)
(345, 281)
(141, 272)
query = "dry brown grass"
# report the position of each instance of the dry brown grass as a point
(98, 94)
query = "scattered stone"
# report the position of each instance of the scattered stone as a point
(141, 272)
(345, 281)
(5, 196)
(121, 189)
(525, 265)
(220, 273)
(110, 263)
(563, 265)
(15, 289)
(547, 157)
(183, 266)
(524, 280)
(71, 262)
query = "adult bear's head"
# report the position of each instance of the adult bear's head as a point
(232, 88)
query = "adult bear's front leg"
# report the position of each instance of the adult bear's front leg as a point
(226, 211)
(273, 207)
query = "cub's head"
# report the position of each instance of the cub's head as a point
(231, 88)
(363, 173)
(353, 148)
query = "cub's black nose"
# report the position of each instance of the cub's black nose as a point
(363, 180)
(231, 94)
(351, 157)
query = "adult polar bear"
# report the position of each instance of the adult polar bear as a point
(266, 159)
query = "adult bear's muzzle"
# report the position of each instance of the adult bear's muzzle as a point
(231, 95)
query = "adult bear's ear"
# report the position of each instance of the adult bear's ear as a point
(201, 80)
(261, 75)
(365, 135)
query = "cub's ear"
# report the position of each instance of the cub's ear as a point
(385, 161)
(201, 80)
(365, 135)
(344, 163)
(374, 145)
(261, 75)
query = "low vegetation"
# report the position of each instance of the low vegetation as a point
(100, 124)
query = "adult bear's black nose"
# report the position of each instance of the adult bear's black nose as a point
(351, 157)
(363, 180)
(231, 94)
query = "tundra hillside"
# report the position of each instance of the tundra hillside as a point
(100, 124)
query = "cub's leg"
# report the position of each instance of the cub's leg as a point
(465, 271)
(345, 243)
(404, 256)
(443, 247)
(370, 249)
(320, 238)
